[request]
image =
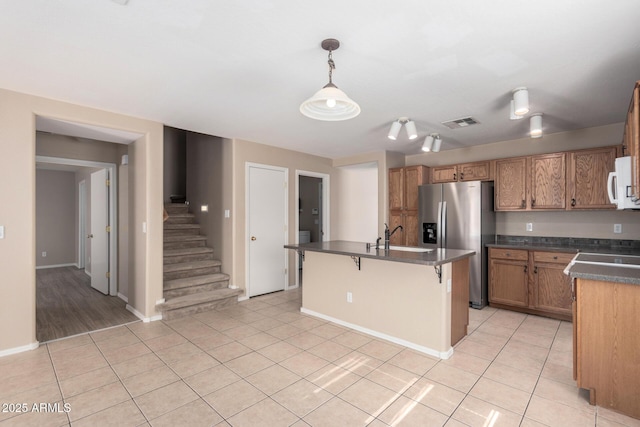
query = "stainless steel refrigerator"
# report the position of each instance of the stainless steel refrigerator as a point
(460, 215)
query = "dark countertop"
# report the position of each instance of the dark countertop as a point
(608, 268)
(359, 249)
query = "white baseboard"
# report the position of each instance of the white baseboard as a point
(43, 267)
(142, 316)
(123, 297)
(243, 298)
(160, 301)
(20, 349)
(426, 350)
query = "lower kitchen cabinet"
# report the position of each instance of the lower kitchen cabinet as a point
(530, 281)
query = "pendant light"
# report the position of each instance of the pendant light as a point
(330, 103)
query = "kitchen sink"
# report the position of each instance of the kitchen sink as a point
(409, 249)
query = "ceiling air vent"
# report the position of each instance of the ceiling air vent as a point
(460, 123)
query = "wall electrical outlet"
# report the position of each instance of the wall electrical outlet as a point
(448, 285)
(349, 297)
(529, 226)
(617, 228)
(44, 254)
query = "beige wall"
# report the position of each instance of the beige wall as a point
(17, 249)
(358, 203)
(56, 231)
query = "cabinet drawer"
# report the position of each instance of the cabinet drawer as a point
(555, 257)
(517, 254)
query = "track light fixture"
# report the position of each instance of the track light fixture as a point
(432, 143)
(520, 101)
(535, 126)
(512, 112)
(330, 103)
(409, 125)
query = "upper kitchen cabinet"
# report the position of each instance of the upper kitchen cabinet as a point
(631, 140)
(511, 184)
(477, 171)
(403, 202)
(588, 172)
(531, 183)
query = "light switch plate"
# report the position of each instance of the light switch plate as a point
(529, 226)
(227, 213)
(1, 231)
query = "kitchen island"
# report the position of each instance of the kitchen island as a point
(415, 297)
(606, 346)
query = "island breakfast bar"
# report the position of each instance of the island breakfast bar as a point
(416, 297)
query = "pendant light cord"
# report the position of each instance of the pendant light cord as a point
(332, 66)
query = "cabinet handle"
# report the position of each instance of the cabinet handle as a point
(535, 270)
(533, 202)
(526, 268)
(461, 176)
(573, 202)
(523, 204)
(455, 176)
(555, 257)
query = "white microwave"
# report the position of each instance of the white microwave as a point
(620, 183)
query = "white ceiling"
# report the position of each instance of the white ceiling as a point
(241, 68)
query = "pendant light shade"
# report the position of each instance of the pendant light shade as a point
(395, 130)
(520, 101)
(330, 103)
(535, 129)
(427, 144)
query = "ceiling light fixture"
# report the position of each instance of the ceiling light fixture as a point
(330, 103)
(535, 126)
(512, 112)
(427, 144)
(437, 142)
(409, 125)
(520, 101)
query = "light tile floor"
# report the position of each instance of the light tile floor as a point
(263, 363)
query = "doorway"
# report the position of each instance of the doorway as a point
(312, 219)
(266, 226)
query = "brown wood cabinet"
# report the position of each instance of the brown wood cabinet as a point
(530, 281)
(606, 346)
(511, 184)
(548, 182)
(403, 202)
(631, 139)
(476, 171)
(588, 172)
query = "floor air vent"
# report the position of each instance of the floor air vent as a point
(461, 123)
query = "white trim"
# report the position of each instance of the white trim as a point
(14, 350)
(42, 267)
(141, 316)
(326, 223)
(160, 301)
(123, 297)
(243, 298)
(431, 352)
(113, 209)
(82, 222)
(247, 183)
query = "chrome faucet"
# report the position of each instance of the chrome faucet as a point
(387, 235)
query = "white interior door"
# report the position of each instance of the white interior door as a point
(99, 237)
(267, 229)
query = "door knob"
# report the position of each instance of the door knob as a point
(253, 237)
(89, 236)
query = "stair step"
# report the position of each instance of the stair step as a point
(191, 285)
(181, 218)
(176, 208)
(181, 229)
(177, 255)
(186, 241)
(197, 303)
(190, 269)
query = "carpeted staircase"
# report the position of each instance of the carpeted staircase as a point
(193, 282)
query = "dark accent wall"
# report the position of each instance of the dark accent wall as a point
(175, 163)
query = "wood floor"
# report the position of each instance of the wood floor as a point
(66, 305)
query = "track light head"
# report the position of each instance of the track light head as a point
(520, 101)
(395, 130)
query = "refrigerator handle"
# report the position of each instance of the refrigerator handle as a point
(439, 226)
(443, 228)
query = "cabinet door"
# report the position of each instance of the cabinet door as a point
(551, 287)
(396, 218)
(414, 176)
(548, 181)
(511, 184)
(396, 188)
(588, 172)
(508, 282)
(479, 171)
(411, 228)
(442, 174)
